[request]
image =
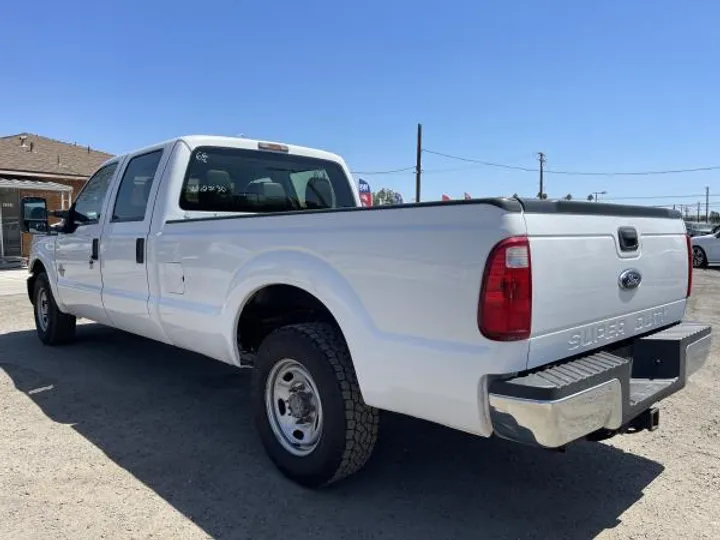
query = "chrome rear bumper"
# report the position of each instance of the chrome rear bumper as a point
(553, 406)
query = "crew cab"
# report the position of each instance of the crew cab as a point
(541, 322)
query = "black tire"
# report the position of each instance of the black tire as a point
(699, 257)
(59, 327)
(349, 426)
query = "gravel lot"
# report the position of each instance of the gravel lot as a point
(119, 437)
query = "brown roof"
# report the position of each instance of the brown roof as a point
(33, 153)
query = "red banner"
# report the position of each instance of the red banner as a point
(365, 193)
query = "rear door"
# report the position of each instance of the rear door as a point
(124, 255)
(603, 276)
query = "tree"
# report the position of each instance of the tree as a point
(542, 196)
(568, 197)
(714, 217)
(386, 196)
(591, 198)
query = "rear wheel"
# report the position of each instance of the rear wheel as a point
(699, 258)
(53, 326)
(309, 413)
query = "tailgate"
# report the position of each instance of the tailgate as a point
(591, 285)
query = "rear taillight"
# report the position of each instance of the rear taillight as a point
(690, 263)
(505, 306)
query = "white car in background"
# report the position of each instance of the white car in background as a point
(706, 249)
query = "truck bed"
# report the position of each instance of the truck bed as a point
(404, 283)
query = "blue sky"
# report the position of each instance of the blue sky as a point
(601, 86)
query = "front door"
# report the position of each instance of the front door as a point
(124, 254)
(77, 251)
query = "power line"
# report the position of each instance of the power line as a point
(572, 173)
(451, 169)
(481, 162)
(635, 173)
(411, 170)
(391, 171)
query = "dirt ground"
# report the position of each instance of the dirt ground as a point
(118, 437)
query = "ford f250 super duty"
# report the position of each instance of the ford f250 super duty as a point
(537, 321)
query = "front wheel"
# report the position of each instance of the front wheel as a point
(699, 258)
(309, 413)
(53, 326)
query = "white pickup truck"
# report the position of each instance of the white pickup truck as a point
(537, 321)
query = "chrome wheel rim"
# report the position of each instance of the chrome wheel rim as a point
(42, 309)
(698, 257)
(293, 407)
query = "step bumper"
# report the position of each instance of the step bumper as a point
(554, 405)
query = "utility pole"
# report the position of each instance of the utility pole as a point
(541, 159)
(698, 212)
(707, 204)
(418, 164)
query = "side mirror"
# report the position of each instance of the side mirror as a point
(34, 215)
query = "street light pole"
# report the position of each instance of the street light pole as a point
(599, 193)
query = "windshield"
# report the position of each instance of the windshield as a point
(240, 180)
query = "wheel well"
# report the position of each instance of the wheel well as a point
(37, 268)
(272, 307)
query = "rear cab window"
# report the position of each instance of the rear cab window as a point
(222, 179)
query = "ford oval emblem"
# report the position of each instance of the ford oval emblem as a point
(630, 279)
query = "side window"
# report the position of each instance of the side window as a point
(90, 200)
(134, 192)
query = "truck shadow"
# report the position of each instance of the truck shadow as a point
(181, 424)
